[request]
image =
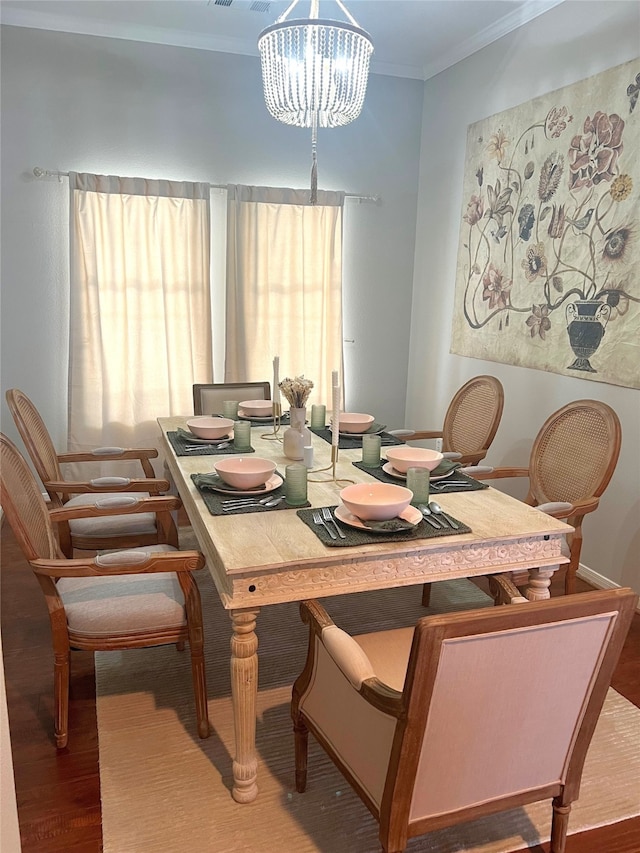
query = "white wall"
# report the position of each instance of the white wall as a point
(101, 105)
(568, 43)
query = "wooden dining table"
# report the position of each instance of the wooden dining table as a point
(272, 556)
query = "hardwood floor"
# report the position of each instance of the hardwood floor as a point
(58, 793)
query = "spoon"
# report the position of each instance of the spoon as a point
(269, 503)
(434, 506)
(426, 512)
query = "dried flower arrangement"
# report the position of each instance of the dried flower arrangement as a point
(296, 391)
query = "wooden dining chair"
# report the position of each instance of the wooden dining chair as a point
(572, 461)
(208, 399)
(117, 600)
(471, 421)
(468, 714)
(93, 533)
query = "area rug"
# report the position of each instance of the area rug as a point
(166, 791)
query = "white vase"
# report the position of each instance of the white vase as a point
(296, 437)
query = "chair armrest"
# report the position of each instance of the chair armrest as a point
(498, 473)
(503, 590)
(107, 484)
(350, 659)
(421, 434)
(558, 509)
(453, 455)
(121, 563)
(478, 472)
(141, 454)
(117, 506)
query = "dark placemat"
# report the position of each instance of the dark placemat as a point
(180, 445)
(354, 536)
(213, 500)
(355, 443)
(460, 482)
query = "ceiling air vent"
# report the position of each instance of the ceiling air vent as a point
(260, 6)
(222, 2)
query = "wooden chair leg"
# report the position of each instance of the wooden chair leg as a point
(426, 594)
(559, 826)
(572, 565)
(301, 740)
(196, 646)
(61, 697)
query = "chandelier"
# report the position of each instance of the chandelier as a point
(314, 72)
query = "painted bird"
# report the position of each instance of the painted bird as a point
(582, 223)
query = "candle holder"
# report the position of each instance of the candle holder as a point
(277, 415)
(332, 467)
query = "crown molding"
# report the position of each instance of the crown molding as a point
(14, 16)
(485, 37)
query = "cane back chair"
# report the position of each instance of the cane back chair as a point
(95, 532)
(466, 715)
(572, 461)
(117, 600)
(471, 421)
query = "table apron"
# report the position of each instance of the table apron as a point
(257, 588)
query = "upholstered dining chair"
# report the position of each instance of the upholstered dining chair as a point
(208, 399)
(466, 715)
(572, 461)
(471, 421)
(117, 600)
(95, 532)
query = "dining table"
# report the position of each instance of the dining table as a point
(267, 556)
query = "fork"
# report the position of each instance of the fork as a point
(195, 447)
(317, 519)
(326, 514)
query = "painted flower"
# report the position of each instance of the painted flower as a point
(556, 122)
(498, 202)
(621, 187)
(593, 156)
(535, 264)
(550, 175)
(497, 145)
(526, 221)
(616, 244)
(617, 298)
(538, 321)
(496, 288)
(556, 226)
(475, 209)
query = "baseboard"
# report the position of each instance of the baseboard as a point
(596, 579)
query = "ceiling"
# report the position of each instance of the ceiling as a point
(412, 38)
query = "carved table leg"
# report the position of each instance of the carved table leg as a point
(539, 583)
(244, 692)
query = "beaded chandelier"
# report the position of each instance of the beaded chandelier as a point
(314, 72)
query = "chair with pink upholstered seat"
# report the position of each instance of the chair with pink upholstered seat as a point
(466, 715)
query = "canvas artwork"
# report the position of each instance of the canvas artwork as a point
(548, 272)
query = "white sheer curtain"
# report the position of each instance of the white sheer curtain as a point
(284, 285)
(140, 306)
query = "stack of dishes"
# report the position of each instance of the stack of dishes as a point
(209, 430)
(256, 410)
(246, 475)
(403, 457)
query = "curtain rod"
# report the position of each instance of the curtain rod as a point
(48, 173)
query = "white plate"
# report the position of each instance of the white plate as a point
(411, 514)
(272, 483)
(194, 440)
(391, 471)
(261, 419)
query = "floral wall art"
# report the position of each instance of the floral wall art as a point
(548, 272)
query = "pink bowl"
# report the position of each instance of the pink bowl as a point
(206, 427)
(404, 457)
(375, 501)
(354, 422)
(244, 472)
(257, 408)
